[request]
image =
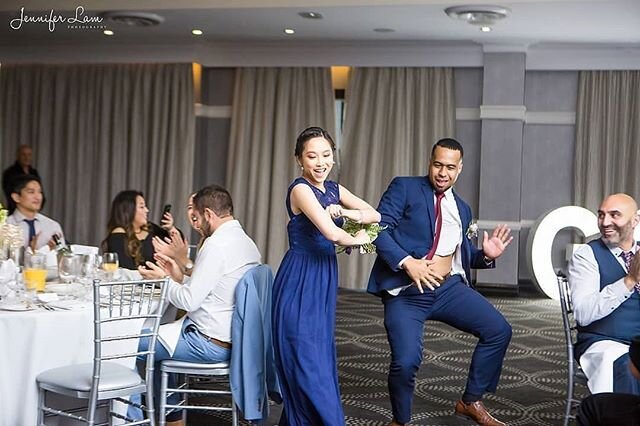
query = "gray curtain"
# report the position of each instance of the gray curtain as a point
(393, 118)
(99, 129)
(607, 136)
(271, 106)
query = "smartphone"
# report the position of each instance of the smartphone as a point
(166, 209)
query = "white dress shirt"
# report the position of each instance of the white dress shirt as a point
(208, 295)
(591, 304)
(450, 237)
(451, 233)
(45, 227)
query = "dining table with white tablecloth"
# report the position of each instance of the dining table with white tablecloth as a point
(33, 341)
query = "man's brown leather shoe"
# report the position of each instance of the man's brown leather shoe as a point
(478, 413)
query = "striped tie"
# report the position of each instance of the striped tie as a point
(627, 256)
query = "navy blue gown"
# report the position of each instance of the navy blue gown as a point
(304, 313)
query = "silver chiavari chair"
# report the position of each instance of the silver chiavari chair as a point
(120, 308)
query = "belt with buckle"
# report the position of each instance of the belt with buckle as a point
(215, 341)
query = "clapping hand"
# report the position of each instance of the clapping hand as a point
(173, 246)
(500, 238)
(633, 276)
(164, 266)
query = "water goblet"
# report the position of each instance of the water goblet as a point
(69, 267)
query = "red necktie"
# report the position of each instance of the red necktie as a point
(436, 236)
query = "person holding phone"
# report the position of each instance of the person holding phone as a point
(175, 246)
(130, 234)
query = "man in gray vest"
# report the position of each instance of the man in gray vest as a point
(604, 277)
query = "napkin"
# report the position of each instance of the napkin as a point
(129, 274)
(170, 333)
(7, 270)
(70, 305)
(47, 297)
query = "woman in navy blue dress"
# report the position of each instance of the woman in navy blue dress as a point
(306, 285)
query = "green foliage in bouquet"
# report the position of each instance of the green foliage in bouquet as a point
(3, 214)
(352, 228)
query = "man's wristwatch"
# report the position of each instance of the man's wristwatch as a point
(188, 267)
(487, 261)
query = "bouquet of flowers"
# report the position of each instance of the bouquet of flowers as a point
(3, 215)
(352, 228)
(10, 235)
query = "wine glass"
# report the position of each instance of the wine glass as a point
(110, 264)
(5, 277)
(90, 265)
(69, 267)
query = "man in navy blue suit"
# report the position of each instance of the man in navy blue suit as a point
(422, 272)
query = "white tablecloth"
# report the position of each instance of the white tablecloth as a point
(34, 341)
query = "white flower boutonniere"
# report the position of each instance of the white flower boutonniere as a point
(472, 230)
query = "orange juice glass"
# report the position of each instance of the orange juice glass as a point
(35, 272)
(34, 279)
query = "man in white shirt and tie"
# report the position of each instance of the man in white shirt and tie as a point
(603, 280)
(423, 272)
(38, 229)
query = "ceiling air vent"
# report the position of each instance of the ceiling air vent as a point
(134, 19)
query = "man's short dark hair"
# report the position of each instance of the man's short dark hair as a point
(20, 182)
(448, 143)
(214, 197)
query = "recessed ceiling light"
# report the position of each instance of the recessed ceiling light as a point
(485, 29)
(384, 30)
(196, 32)
(311, 15)
(107, 32)
(289, 31)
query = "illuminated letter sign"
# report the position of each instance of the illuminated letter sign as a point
(540, 242)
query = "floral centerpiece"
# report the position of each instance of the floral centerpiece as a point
(352, 228)
(10, 235)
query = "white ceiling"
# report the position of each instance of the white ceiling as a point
(607, 22)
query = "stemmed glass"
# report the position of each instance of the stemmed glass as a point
(90, 265)
(4, 290)
(4, 284)
(69, 267)
(110, 264)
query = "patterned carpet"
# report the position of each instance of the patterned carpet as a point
(532, 386)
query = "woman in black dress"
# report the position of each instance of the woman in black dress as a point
(129, 234)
